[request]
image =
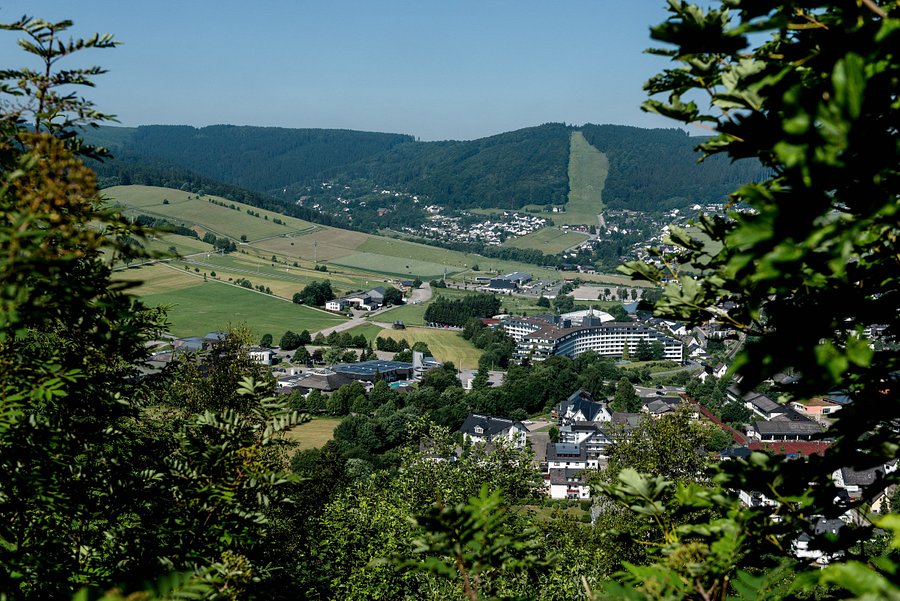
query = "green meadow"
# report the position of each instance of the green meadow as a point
(548, 240)
(588, 168)
(197, 306)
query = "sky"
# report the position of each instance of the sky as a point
(435, 69)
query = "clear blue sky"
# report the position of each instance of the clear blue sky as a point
(437, 69)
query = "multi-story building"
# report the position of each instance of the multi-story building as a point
(608, 339)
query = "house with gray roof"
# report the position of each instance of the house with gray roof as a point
(763, 406)
(855, 482)
(323, 380)
(565, 483)
(565, 455)
(590, 436)
(581, 407)
(785, 428)
(486, 428)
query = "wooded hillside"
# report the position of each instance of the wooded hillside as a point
(649, 169)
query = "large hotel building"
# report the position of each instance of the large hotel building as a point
(572, 334)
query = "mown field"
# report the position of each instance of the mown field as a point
(393, 266)
(588, 168)
(445, 345)
(548, 240)
(190, 210)
(198, 306)
(314, 433)
(369, 330)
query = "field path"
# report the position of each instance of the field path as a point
(421, 294)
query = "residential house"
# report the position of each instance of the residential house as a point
(815, 408)
(263, 356)
(784, 428)
(803, 547)
(338, 304)
(485, 428)
(592, 437)
(564, 483)
(854, 482)
(562, 455)
(758, 403)
(581, 407)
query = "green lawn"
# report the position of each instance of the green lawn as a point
(411, 315)
(394, 266)
(185, 208)
(588, 168)
(369, 330)
(211, 306)
(314, 433)
(548, 240)
(445, 345)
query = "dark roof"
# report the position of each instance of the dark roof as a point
(658, 406)
(861, 478)
(579, 401)
(491, 425)
(629, 420)
(325, 381)
(502, 283)
(583, 426)
(368, 368)
(562, 451)
(762, 402)
(735, 453)
(563, 476)
(788, 426)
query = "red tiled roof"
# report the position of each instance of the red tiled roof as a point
(804, 448)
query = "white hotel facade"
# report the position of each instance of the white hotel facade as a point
(537, 339)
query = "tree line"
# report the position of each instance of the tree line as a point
(457, 312)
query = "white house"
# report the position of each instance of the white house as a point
(566, 484)
(338, 304)
(486, 428)
(263, 356)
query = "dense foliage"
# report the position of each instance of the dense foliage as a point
(263, 159)
(110, 477)
(458, 311)
(658, 169)
(810, 266)
(651, 169)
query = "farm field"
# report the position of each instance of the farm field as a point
(445, 345)
(369, 330)
(278, 276)
(410, 315)
(183, 245)
(324, 244)
(393, 266)
(198, 307)
(588, 168)
(314, 433)
(193, 211)
(548, 240)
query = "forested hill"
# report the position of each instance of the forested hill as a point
(651, 169)
(509, 170)
(262, 159)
